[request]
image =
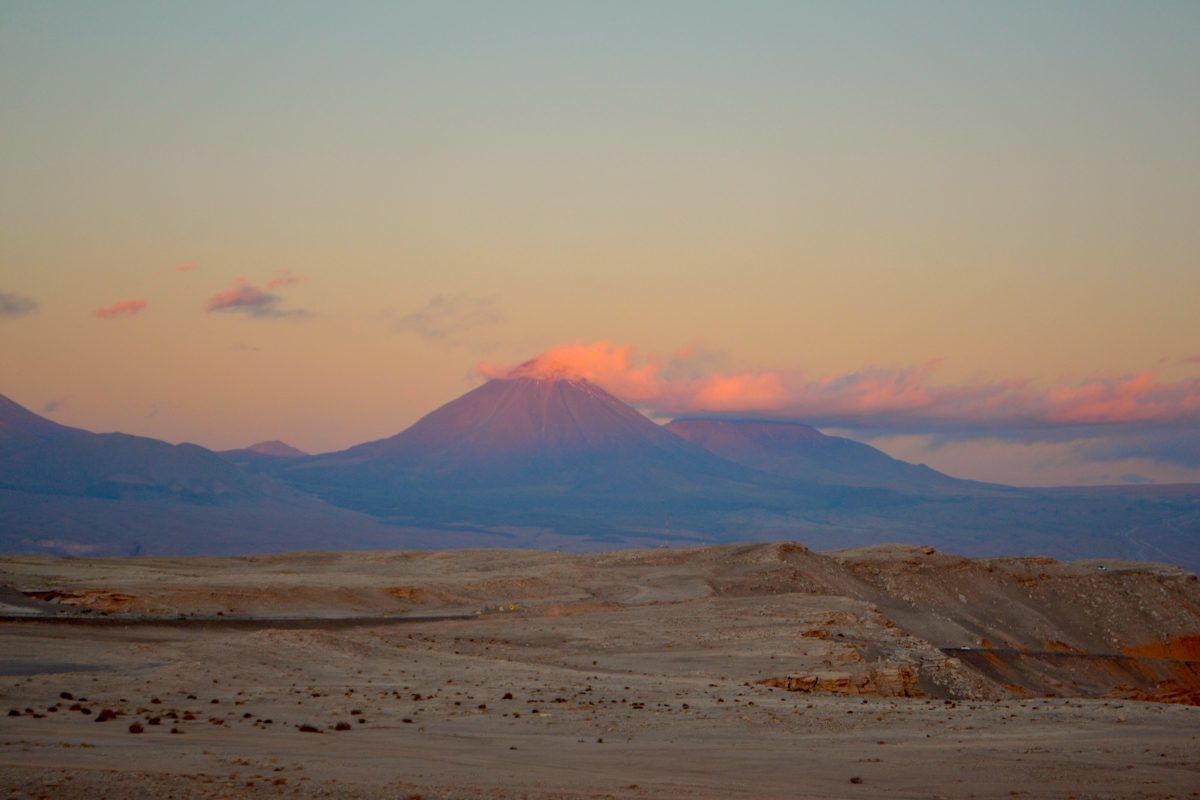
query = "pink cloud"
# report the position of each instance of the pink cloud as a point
(744, 392)
(240, 294)
(669, 386)
(244, 297)
(121, 308)
(186, 266)
(283, 278)
(603, 363)
(885, 397)
(1131, 398)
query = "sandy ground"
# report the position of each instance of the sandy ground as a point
(635, 675)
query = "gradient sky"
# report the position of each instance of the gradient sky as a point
(966, 234)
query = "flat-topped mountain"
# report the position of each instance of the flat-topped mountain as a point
(262, 454)
(275, 448)
(798, 451)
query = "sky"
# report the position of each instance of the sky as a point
(964, 233)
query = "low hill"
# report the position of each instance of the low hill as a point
(262, 455)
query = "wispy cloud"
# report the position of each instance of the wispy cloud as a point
(186, 266)
(283, 278)
(121, 308)
(447, 317)
(16, 305)
(245, 298)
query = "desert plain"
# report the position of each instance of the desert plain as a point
(747, 671)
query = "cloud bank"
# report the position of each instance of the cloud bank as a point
(1136, 415)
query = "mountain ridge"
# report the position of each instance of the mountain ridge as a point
(537, 460)
(19, 425)
(70, 490)
(799, 451)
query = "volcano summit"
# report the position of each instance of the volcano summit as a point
(527, 447)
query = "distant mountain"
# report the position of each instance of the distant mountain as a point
(530, 450)
(548, 460)
(508, 428)
(800, 452)
(41, 456)
(67, 485)
(276, 448)
(19, 426)
(262, 454)
(536, 457)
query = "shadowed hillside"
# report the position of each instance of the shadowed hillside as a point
(71, 491)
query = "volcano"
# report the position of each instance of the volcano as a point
(525, 448)
(511, 425)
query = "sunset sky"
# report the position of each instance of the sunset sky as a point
(968, 235)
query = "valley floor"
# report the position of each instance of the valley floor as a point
(761, 671)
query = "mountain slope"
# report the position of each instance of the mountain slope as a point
(19, 426)
(41, 456)
(61, 485)
(797, 451)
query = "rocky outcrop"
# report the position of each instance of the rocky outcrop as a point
(898, 681)
(91, 600)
